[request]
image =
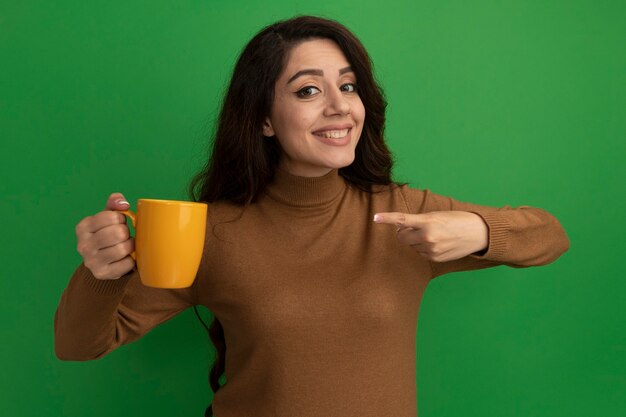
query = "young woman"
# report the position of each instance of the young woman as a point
(315, 261)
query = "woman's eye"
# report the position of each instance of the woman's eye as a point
(350, 87)
(307, 91)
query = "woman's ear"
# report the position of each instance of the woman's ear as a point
(268, 130)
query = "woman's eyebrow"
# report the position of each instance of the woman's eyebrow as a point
(317, 72)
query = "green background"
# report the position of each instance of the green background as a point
(492, 102)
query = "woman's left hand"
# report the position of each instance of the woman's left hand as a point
(440, 236)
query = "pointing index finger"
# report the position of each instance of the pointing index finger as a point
(400, 219)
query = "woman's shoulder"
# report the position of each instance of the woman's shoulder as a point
(223, 211)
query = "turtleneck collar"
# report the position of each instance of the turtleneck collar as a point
(299, 191)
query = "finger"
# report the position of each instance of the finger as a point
(117, 252)
(410, 236)
(111, 236)
(117, 201)
(122, 267)
(118, 260)
(114, 270)
(437, 254)
(90, 244)
(401, 219)
(103, 220)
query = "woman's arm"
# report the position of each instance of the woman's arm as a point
(460, 236)
(96, 316)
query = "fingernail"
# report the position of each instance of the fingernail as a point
(377, 218)
(123, 202)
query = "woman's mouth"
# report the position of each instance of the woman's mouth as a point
(338, 137)
(333, 134)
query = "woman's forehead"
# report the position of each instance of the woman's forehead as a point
(315, 54)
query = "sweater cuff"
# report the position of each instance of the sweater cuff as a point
(499, 228)
(104, 286)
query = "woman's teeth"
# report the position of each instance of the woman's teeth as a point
(334, 134)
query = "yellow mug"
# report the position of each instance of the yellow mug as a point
(169, 240)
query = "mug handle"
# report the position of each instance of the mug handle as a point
(133, 219)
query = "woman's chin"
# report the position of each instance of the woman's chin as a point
(342, 163)
(318, 168)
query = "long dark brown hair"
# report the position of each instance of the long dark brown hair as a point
(242, 161)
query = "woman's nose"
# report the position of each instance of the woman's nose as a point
(336, 103)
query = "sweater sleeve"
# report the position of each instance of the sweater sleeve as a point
(94, 316)
(519, 237)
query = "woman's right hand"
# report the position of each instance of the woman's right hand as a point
(104, 240)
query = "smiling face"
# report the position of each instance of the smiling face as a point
(317, 115)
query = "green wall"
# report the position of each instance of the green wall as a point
(492, 102)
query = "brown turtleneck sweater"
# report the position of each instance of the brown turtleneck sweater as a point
(318, 303)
